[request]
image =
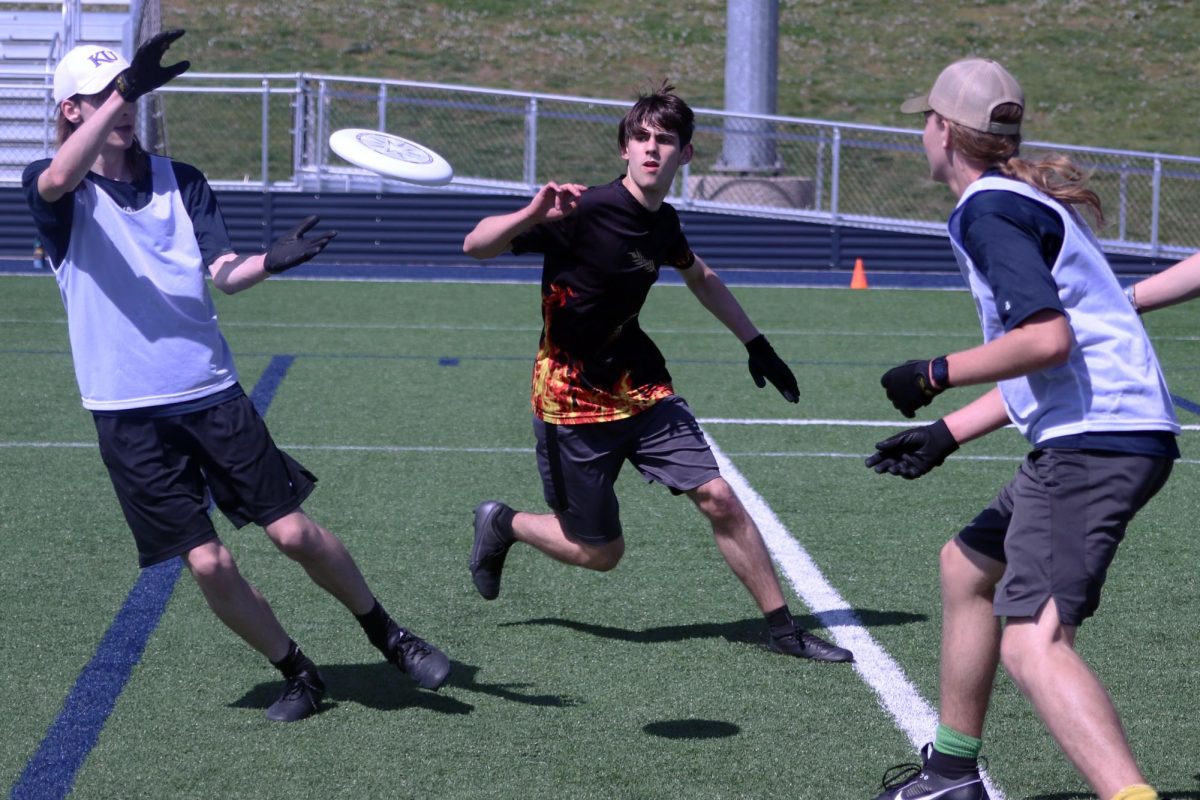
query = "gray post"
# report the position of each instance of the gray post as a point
(266, 133)
(1155, 204)
(531, 142)
(751, 66)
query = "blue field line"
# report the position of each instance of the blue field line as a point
(50, 773)
(1185, 404)
(268, 383)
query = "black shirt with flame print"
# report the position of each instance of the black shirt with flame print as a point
(594, 361)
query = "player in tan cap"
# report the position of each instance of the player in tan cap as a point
(1077, 376)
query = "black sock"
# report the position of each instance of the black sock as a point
(780, 621)
(953, 767)
(294, 662)
(504, 521)
(375, 624)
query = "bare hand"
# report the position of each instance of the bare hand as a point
(555, 201)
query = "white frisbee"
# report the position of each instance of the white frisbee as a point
(391, 156)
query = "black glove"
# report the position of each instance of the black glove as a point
(912, 453)
(146, 72)
(909, 388)
(292, 248)
(765, 366)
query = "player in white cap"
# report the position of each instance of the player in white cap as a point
(131, 237)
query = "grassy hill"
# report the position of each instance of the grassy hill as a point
(1103, 73)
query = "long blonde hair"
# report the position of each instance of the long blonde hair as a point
(1055, 175)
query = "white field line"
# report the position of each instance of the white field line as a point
(836, 423)
(365, 448)
(400, 326)
(913, 715)
(386, 448)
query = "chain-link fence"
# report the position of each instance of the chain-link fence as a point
(272, 130)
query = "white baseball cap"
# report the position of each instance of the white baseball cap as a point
(968, 91)
(86, 69)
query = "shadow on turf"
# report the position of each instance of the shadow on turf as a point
(692, 729)
(746, 631)
(381, 687)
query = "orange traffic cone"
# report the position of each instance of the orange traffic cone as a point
(859, 279)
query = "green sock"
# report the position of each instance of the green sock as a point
(952, 743)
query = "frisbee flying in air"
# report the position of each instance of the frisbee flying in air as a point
(391, 156)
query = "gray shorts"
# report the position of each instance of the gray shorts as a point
(1057, 524)
(579, 464)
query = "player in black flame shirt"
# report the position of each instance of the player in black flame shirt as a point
(601, 391)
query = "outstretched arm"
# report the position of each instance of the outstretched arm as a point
(765, 365)
(233, 272)
(914, 452)
(494, 235)
(1173, 285)
(1042, 341)
(714, 295)
(81, 149)
(978, 418)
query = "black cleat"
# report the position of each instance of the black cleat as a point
(802, 644)
(489, 550)
(301, 697)
(915, 782)
(411, 654)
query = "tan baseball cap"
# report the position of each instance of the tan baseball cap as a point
(967, 92)
(86, 69)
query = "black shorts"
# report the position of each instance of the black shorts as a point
(1057, 525)
(579, 464)
(166, 469)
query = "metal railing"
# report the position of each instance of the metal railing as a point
(270, 131)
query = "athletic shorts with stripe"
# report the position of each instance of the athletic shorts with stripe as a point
(1057, 524)
(579, 464)
(166, 469)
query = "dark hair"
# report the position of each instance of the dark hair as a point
(1056, 175)
(661, 109)
(135, 156)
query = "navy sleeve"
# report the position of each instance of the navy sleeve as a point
(201, 205)
(52, 220)
(1014, 242)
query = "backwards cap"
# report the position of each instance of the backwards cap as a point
(967, 92)
(86, 69)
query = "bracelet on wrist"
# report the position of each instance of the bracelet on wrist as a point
(939, 371)
(1131, 296)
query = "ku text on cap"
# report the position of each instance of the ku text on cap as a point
(87, 69)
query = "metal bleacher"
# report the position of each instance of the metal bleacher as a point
(33, 36)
